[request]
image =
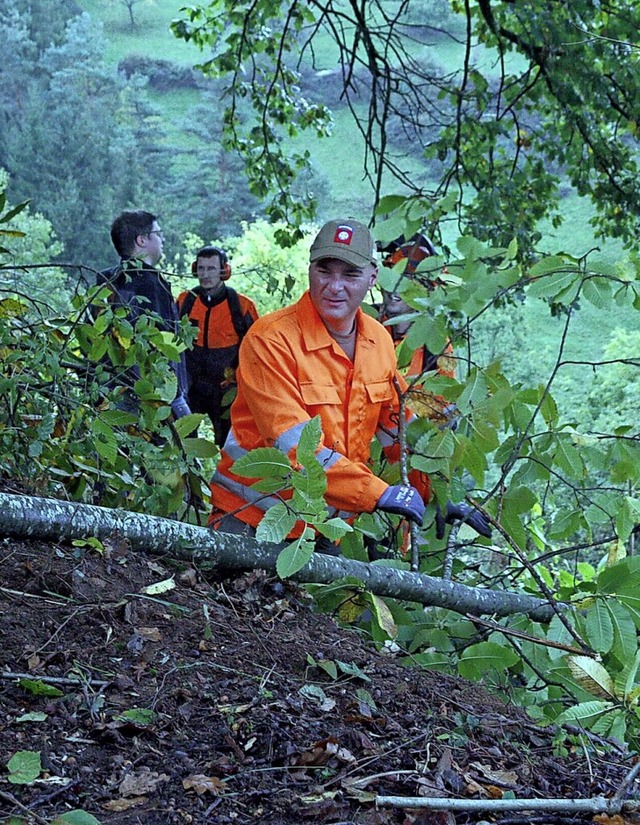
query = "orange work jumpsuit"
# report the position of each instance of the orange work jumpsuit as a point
(292, 370)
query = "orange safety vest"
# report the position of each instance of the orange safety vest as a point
(221, 327)
(292, 370)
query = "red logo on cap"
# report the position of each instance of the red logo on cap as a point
(344, 234)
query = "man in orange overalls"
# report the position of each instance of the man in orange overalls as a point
(322, 356)
(223, 317)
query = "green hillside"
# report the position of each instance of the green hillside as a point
(340, 180)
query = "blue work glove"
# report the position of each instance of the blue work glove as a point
(465, 513)
(179, 407)
(452, 417)
(403, 501)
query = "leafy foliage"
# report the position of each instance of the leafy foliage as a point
(560, 99)
(306, 504)
(63, 423)
(551, 489)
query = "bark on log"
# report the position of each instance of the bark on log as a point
(53, 520)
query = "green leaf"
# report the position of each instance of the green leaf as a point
(625, 640)
(39, 688)
(200, 448)
(188, 423)
(311, 481)
(334, 528)
(568, 458)
(597, 291)
(474, 392)
(351, 669)
(485, 657)
(264, 462)
(329, 667)
(565, 524)
(626, 518)
(620, 576)
(309, 441)
(294, 557)
(76, 818)
(626, 680)
(276, 524)
(474, 461)
(24, 767)
(586, 712)
(143, 717)
(599, 627)
(166, 343)
(105, 441)
(118, 418)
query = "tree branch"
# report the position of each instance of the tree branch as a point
(53, 520)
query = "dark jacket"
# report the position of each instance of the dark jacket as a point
(141, 288)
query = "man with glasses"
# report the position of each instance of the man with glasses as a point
(137, 284)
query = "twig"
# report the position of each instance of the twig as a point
(597, 804)
(449, 556)
(626, 782)
(519, 634)
(404, 475)
(54, 680)
(11, 799)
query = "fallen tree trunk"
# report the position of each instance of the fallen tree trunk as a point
(53, 520)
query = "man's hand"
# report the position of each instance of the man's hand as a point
(451, 416)
(403, 501)
(179, 407)
(464, 513)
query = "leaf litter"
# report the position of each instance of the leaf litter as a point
(226, 700)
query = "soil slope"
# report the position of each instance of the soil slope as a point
(202, 704)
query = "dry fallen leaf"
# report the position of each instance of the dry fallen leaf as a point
(505, 778)
(119, 805)
(145, 781)
(152, 634)
(200, 783)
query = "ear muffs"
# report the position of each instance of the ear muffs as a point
(209, 252)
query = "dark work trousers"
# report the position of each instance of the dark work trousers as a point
(211, 404)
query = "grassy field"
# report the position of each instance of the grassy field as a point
(150, 36)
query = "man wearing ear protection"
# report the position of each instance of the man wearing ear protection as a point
(223, 318)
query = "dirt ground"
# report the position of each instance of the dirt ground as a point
(202, 704)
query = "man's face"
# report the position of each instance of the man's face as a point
(149, 246)
(393, 304)
(337, 289)
(209, 272)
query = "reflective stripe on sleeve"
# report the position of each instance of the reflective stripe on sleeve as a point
(291, 438)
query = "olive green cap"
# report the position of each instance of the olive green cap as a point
(347, 240)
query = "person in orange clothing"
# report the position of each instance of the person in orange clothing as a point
(427, 403)
(223, 318)
(322, 356)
